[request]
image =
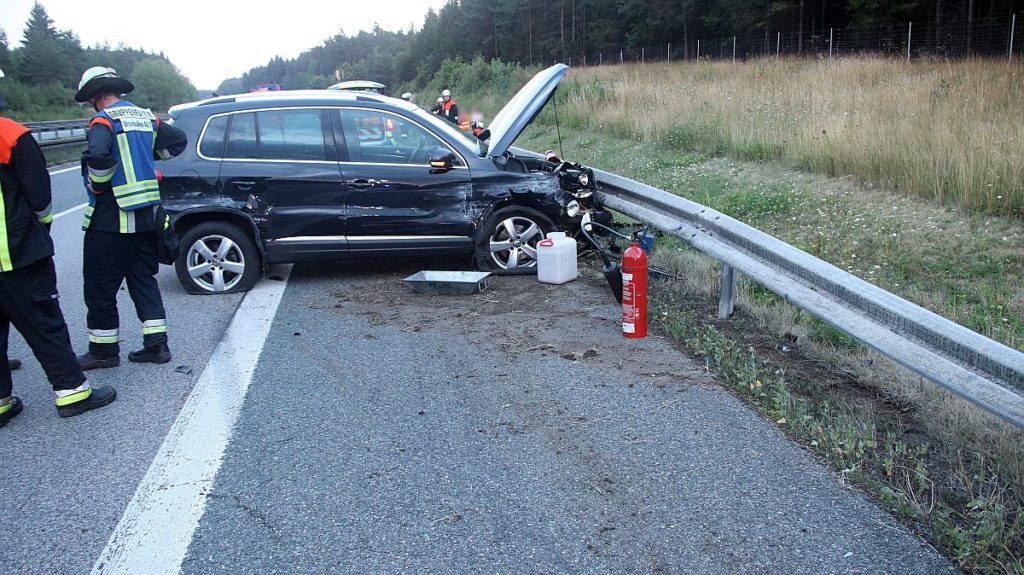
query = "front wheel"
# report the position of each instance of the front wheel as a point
(217, 258)
(507, 240)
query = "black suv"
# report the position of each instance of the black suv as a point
(311, 175)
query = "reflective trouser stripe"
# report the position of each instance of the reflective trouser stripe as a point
(5, 250)
(6, 407)
(154, 326)
(69, 396)
(103, 336)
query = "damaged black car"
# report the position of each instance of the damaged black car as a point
(300, 176)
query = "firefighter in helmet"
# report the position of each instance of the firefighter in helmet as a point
(28, 280)
(123, 217)
(449, 109)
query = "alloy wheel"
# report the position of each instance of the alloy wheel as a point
(513, 243)
(215, 263)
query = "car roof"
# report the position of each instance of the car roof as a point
(296, 97)
(357, 85)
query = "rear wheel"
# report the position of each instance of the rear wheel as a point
(507, 240)
(217, 258)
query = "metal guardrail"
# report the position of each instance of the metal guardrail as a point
(974, 367)
(58, 134)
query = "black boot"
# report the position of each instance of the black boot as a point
(92, 361)
(158, 353)
(14, 409)
(98, 397)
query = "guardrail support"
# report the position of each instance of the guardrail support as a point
(727, 296)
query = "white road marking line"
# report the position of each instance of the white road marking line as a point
(156, 529)
(65, 170)
(69, 211)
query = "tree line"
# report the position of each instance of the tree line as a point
(535, 32)
(42, 74)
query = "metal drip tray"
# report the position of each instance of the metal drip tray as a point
(456, 283)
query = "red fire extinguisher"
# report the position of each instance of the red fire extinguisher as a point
(634, 291)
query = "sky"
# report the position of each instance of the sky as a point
(213, 40)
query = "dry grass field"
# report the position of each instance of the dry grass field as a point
(949, 131)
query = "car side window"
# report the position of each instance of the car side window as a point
(291, 135)
(212, 145)
(374, 136)
(242, 141)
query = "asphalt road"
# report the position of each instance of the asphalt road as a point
(379, 432)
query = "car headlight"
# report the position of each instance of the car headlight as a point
(572, 208)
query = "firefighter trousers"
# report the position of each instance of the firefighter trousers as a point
(109, 259)
(28, 301)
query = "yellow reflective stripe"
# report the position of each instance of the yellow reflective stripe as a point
(74, 397)
(5, 250)
(103, 339)
(136, 187)
(155, 329)
(123, 216)
(48, 218)
(101, 176)
(6, 407)
(88, 217)
(126, 158)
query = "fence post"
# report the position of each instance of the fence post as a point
(830, 43)
(620, 56)
(727, 295)
(1013, 26)
(778, 44)
(642, 55)
(910, 27)
(734, 48)
(698, 50)
(668, 52)
(600, 58)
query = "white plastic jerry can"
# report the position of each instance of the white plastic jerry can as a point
(556, 259)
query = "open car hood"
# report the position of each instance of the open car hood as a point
(521, 110)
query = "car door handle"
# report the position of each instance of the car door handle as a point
(362, 183)
(244, 185)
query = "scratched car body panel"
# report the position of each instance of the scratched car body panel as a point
(334, 174)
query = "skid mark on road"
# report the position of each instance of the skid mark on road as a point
(156, 529)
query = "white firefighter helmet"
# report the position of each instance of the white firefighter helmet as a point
(446, 94)
(100, 78)
(407, 96)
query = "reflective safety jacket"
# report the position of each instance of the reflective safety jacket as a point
(133, 177)
(25, 208)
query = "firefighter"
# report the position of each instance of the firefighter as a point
(449, 109)
(436, 109)
(407, 96)
(28, 281)
(121, 219)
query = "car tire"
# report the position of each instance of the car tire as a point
(507, 241)
(217, 258)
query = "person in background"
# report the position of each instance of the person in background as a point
(407, 96)
(28, 280)
(121, 222)
(436, 110)
(449, 109)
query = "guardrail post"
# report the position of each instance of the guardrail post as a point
(727, 297)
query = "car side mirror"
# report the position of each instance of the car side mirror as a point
(442, 161)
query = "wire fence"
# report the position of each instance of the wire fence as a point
(990, 37)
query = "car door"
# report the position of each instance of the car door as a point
(285, 164)
(395, 201)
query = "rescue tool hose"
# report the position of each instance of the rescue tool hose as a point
(611, 270)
